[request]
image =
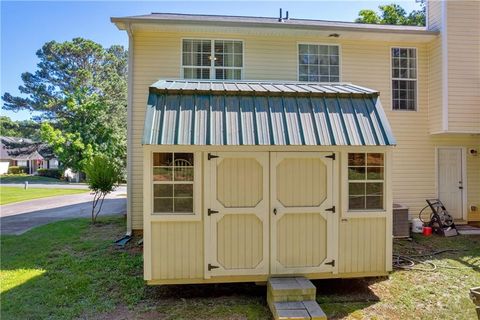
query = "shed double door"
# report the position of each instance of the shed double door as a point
(267, 213)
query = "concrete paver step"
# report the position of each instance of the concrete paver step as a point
(293, 298)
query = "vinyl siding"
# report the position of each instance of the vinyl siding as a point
(435, 112)
(463, 43)
(366, 63)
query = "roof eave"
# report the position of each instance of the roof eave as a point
(123, 22)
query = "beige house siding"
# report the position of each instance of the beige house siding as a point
(463, 45)
(434, 15)
(435, 112)
(367, 63)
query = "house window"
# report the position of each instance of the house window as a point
(366, 180)
(320, 63)
(173, 183)
(212, 59)
(404, 79)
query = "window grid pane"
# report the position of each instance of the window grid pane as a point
(318, 63)
(366, 181)
(173, 178)
(212, 59)
(404, 79)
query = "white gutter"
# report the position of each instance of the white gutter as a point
(129, 128)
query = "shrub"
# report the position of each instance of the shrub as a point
(103, 177)
(50, 173)
(17, 170)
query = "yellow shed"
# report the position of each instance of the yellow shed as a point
(246, 180)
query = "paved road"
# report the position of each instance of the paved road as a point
(17, 218)
(51, 185)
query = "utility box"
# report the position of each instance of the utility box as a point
(401, 226)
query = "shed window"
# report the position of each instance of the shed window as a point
(319, 63)
(366, 180)
(173, 183)
(212, 59)
(404, 79)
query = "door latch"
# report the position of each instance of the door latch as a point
(275, 211)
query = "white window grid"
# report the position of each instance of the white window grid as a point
(212, 62)
(174, 182)
(404, 78)
(366, 181)
(318, 62)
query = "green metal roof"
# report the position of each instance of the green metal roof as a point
(181, 112)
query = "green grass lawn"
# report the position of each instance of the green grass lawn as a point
(71, 269)
(30, 179)
(17, 194)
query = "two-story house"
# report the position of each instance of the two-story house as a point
(261, 146)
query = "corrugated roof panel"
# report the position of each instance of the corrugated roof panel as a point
(263, 122)
(322, 122)
(232, 119)
(335, 118)
(307, 122)
(350, 115)
(169, 131)
(279, 132)
(202, 105)
(350, 121)
(375, 121)
(363, 119)
(292, 121)
(216, 120)
(248, 125)
(185, 123)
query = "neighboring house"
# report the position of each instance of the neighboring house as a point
(26, 153)
(270, 152)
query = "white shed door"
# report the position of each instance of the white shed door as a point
(303, 224)
(236, 213)
(450, 184)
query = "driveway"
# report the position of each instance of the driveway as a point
(17, 218)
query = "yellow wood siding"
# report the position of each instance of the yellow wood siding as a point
(239, 182)
(177, 250)
(240, 241)
(463, 45)
(301, 240)
(362, 245)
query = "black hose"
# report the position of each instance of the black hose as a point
(420, 214)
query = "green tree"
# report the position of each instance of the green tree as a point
(21, 129)
(103, 177)
(393, 14)
(80, 90)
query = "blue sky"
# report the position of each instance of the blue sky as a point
(26, 26)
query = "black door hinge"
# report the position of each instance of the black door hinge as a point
(331, 263)
(210, 267)
(332, 209)
(332, 156)
(210, 211)
(212, 156)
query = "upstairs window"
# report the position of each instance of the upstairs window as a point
(404, 79)
(318, 63)
(212, 59)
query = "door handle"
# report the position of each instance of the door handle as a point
(275, 211)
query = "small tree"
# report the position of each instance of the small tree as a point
(103, 177)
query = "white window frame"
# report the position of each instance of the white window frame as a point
(366, 213)
(212, 61)
(408, 79)
(340, 62)
(149, 189)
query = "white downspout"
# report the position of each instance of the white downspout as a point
(129, 128)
